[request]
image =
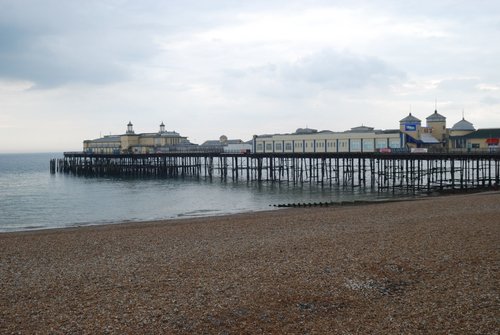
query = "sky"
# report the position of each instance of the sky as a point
(72, 70)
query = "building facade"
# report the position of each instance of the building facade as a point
(358, 139)
(435, 135)
(130, 142)
(411, 135)
(487, 139)
(233, 146)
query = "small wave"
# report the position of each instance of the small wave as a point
(199, 212)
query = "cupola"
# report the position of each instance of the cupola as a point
(463, 125)
(435, 117)
(410, 119)
(130, 128)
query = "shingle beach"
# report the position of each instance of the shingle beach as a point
(428, 266)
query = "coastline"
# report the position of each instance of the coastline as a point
(271, 208)
(426, 266)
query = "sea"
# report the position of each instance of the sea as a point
(32, 198)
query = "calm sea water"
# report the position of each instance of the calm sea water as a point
(32, 198)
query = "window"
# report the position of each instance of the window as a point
(381, 143)
(278, 146)
(394, 143)
(356, 145)
(368, 145)
(269, 147)
(288, 146)
(259, 147)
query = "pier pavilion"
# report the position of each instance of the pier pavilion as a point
(143, 143)
(433, 137)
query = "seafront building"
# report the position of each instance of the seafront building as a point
(223, 144)
(144, 143)
(162, 141)
(461, 136)
(411, 135)
(434, 136)
(307, 140)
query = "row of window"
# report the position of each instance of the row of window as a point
(351, 144)
(103, 145)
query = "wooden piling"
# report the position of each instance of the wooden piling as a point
(382, 172)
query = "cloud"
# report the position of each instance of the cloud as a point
(323, 70)
(337, 70)
(204, 67)
(489, 100)
(62, 42)
(488, 87)
(458, 84)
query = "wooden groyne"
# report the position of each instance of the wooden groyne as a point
(406, 171)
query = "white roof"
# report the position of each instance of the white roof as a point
(428, 138)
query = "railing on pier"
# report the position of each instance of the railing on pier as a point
(413, 172)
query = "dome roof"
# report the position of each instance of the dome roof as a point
(435, 117)
(463, 125)
(305, 131)
(409, 119)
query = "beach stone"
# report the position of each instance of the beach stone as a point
(415, 267)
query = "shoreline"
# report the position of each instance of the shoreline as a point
(272, 208)
(180, 219)
(427, 266)
(85, 225)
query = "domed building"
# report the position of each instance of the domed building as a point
(457, 133)
(130, 142)
(462, 127)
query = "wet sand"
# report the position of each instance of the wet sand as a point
(419, 267)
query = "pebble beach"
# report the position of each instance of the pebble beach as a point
(428, 266)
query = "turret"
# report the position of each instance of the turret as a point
(410, 125)
(438, 124)
(162, 128)
(130, 128)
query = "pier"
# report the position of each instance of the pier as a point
(410, 172)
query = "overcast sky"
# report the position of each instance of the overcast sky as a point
(73, 70)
